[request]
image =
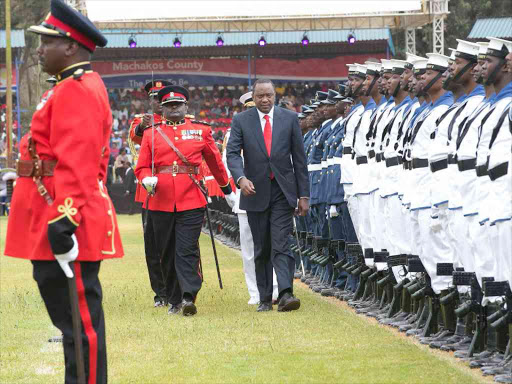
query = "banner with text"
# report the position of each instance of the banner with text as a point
(201, 72)
(3, 77)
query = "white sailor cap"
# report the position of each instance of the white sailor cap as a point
(410, 59)
(499, 47)
(452, 55)
(398, 66)
(420, 66)
(386, 65)
(246, 97)
(356, 70)
(482, 49)
(437, 62)
(466, 50)
(372, 68)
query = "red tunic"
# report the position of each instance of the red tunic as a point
(140, 192)
(72, 125)
(194, 141)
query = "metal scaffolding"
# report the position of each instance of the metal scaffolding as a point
(410, 40)
(439, 10)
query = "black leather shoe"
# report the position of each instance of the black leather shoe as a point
(288, 303)
(174, 309)
(264, 306)
(188, 308)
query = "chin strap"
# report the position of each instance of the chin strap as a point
(492, 77)
(468, 66)
(432, 82)
(356, 92)
(371, 86)
(397, 88)
(447, 83)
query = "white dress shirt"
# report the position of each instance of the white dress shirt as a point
(263, 121)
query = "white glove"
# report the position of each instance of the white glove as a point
(9, 176)
(65, 258)
(333, 212)
(435, 224)
(150, 184)
(231, 199)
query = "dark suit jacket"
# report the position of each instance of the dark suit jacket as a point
(287, 160)
(130, 182)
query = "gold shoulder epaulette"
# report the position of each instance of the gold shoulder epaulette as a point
(201, 122)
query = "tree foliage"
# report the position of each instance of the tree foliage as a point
(458, 24)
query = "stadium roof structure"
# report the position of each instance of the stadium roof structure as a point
(162, 38)
(17, 38)
(500, 27)
(271, 16)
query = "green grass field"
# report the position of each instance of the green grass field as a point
(226, 342)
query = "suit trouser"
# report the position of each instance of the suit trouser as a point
(350, 237)
(247, 246)
(434, 248)
(482, 260)
(504, 249)
(458, 238)
(364, 223)
(352, 205)
(337, 233)
(53, 286)
(270, 231)
(156, 262)
(378, 222)
(177, 238)
(398, 241)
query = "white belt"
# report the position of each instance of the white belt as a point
(314, 167)
(324, 164)
(336, 160)
(330, 162)
(209, 178)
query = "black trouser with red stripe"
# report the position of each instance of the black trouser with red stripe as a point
(53, 286)
(181, 229)
(158, 264)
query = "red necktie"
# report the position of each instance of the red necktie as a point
(267, 136)
(267, 133)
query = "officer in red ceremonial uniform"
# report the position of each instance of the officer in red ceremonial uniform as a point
(61, 211)
(157, 267)
(177, 206)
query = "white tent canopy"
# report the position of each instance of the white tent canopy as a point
(264, 15)
(108, 10)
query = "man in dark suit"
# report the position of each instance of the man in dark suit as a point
(273, 178)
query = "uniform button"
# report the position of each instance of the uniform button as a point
(175, 138)
(109, 233)
(175, 128)
(109, 212)
(175, 162)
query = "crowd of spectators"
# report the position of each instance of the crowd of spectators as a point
(215, 104)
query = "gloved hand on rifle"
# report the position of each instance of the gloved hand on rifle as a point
(333, 212)
(150, 184)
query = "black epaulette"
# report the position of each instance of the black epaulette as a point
(201, 122)
(78, 74)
